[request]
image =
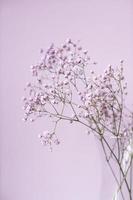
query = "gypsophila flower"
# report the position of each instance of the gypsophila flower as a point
(47, 139)
(66, 87)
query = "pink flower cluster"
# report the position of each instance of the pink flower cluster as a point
(63, 79)
(47, 138)
(65, 88)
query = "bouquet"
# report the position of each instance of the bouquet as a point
(66, 87)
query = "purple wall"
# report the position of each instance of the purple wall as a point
(75, 170)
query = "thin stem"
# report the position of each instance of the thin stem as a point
(117, 161)
(113, 173)
(131, 174)
(124, 180)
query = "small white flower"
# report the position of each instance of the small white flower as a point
(31, 120)
(79, 106)
(86, 114)
(87, 103)
(65, 82)
(87, 132)
(28, 84)
(68, 40)
(39, 136)
(92, 72)
(27, 110)
(46, 133)
(24, 119)
(23, 98)
(53, 101)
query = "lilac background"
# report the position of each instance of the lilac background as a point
(75, 170)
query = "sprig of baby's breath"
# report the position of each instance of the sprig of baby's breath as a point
(65, 87)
